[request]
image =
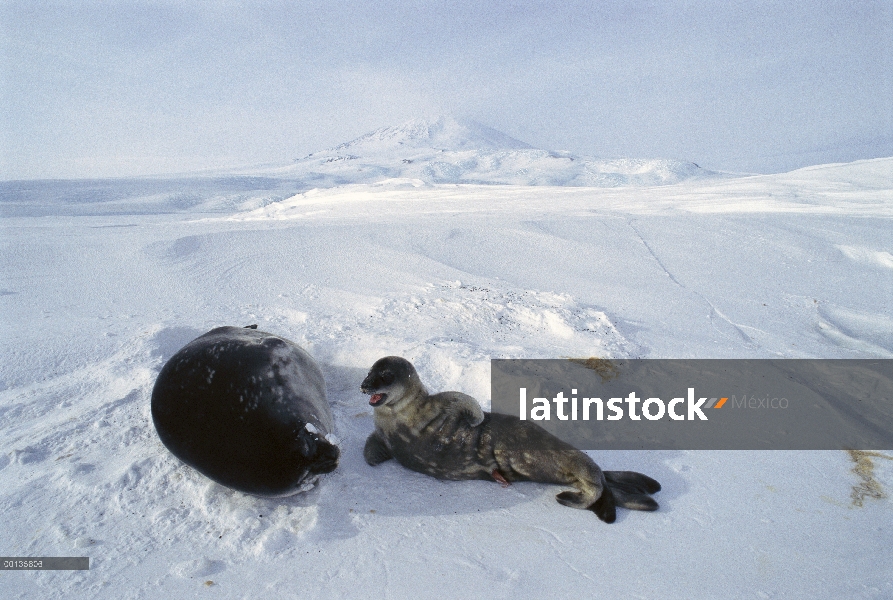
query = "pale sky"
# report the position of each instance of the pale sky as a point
(96, 89)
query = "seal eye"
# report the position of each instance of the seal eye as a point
(387, 378)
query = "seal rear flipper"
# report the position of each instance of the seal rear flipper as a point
(571, 499)
(605, 507)
(634, 501)
(631, 482)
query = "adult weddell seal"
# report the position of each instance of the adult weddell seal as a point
(247, 409)
(448, 436)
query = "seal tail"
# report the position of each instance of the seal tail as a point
(632, 490)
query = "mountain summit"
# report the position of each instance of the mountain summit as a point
(444, 133)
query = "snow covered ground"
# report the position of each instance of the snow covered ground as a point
(101, 282)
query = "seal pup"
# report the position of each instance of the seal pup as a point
(247, 409)
(449, 436)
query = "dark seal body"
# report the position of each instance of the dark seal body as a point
(247, 409)
(449, 447)
(449, 436)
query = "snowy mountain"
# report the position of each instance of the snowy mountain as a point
(448, 150)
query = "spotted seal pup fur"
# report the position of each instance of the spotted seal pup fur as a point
(449, 436)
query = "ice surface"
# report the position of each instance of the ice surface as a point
(95, 298)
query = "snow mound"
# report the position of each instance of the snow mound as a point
(869, 174)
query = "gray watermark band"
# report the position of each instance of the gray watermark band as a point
(656, 404)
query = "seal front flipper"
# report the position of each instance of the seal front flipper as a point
(376, 452)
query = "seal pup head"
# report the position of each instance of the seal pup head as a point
(391, 380)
